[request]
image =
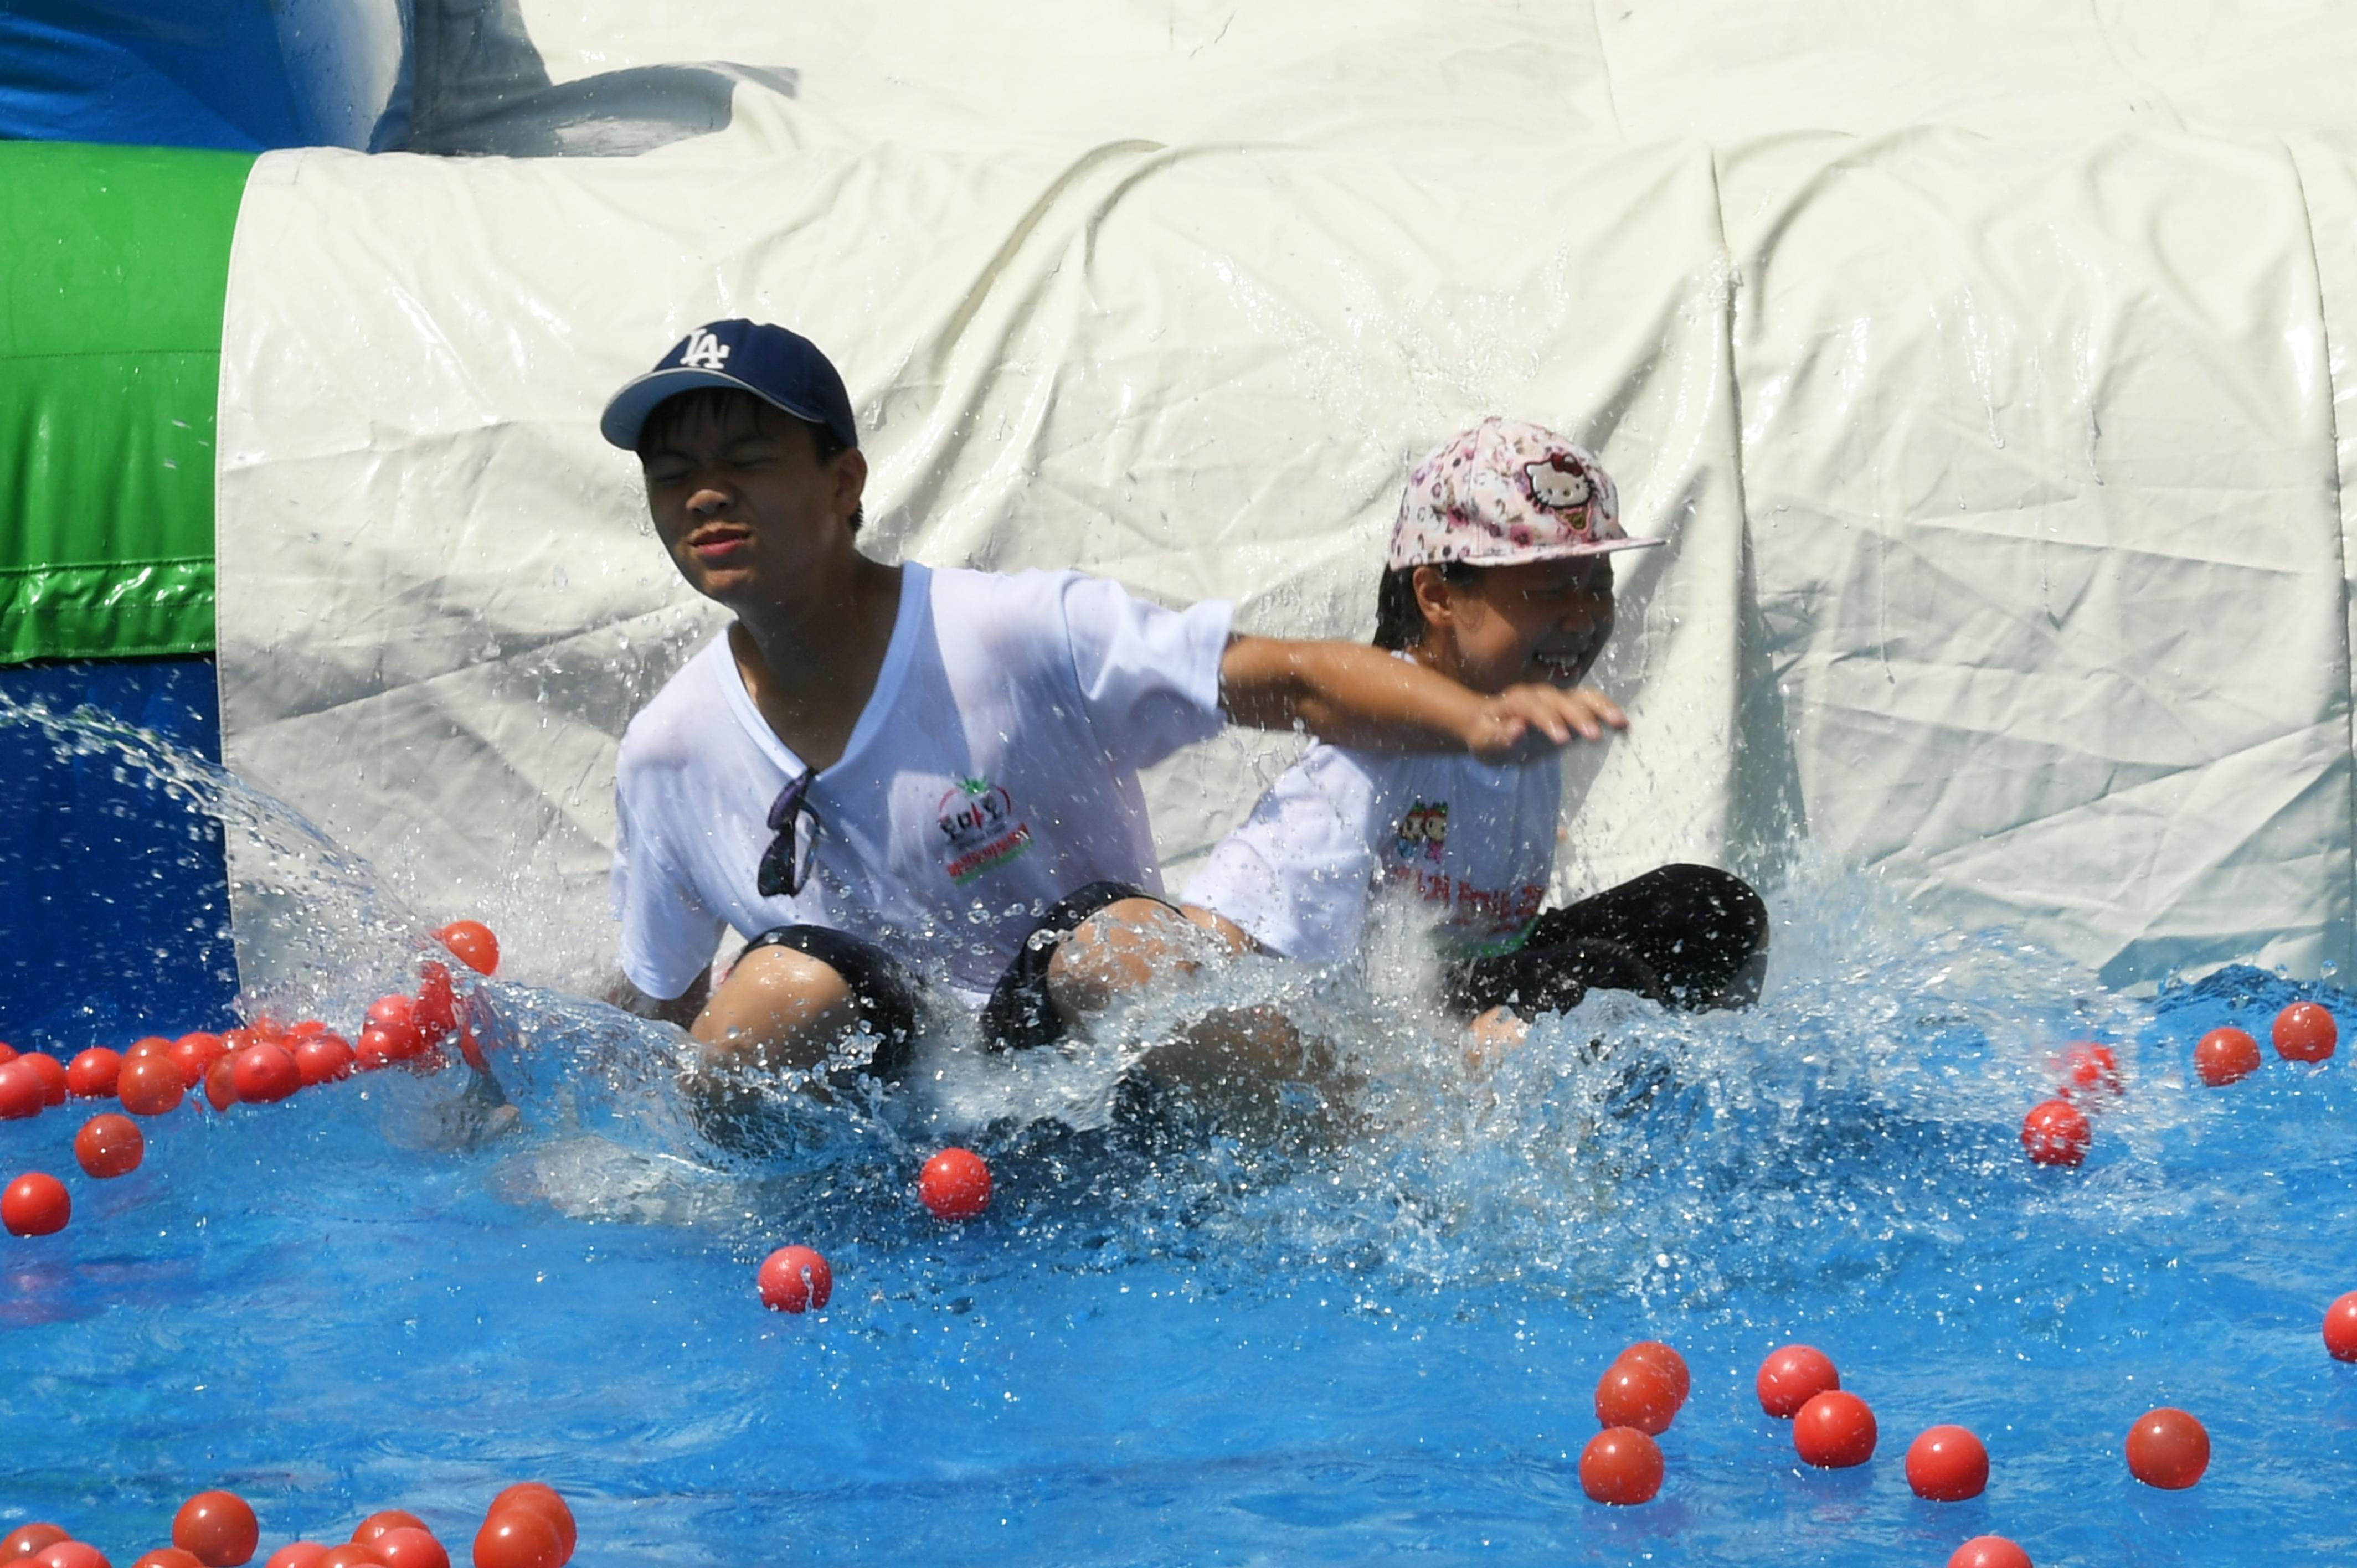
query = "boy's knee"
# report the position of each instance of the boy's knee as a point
(775, 1000)
(1231, 936)
(1116, 950)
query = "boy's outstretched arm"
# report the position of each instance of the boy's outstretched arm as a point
(1348, 693)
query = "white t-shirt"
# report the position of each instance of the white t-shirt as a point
(993, 771)
(1473, 843)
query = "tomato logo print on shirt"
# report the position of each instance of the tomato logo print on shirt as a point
(1423, 833)
(979, 830)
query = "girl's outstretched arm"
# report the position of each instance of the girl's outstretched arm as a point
(1348, 693)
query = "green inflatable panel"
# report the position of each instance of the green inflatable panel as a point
(113, 264)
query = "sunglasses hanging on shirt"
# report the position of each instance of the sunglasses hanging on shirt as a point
(786, 864)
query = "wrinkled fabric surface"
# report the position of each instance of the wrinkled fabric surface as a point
(1980, 369)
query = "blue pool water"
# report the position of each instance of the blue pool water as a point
(1366, 1340)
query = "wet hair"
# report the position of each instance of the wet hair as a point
(1399, 619)
(717, 404)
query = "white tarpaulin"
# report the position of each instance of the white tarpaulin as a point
(1998, 456)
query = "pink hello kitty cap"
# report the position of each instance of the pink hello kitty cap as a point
(1504, 492)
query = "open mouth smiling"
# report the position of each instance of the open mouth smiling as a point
(1559, 666)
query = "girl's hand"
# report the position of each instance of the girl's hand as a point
(1523, 722)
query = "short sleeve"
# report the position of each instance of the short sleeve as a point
(668, 934)
(1148, 677)
(1299, 874)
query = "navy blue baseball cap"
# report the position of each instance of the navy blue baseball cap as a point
(782, 369)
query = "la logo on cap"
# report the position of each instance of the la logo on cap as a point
(703, 350)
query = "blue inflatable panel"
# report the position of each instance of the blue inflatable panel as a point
(114, 902)
(174, 73)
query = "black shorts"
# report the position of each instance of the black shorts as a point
(1018, 1014)
(1686, 936)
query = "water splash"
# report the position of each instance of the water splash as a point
(1838, 1162)
(324, 933)
(1862, 1110)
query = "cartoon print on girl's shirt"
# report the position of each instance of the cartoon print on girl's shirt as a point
(1480, 918)
(1423, 833)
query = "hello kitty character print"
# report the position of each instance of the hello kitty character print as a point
(1507, 491)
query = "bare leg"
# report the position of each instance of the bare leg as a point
(1115, 952)
(1231, 1055)
(779, 1011)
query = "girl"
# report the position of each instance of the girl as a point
(1500, 572)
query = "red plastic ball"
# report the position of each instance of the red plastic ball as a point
(148, 1045)
(473, 942)
(1947, 1465)
(1792, 1377)
(2304, 1032)
(2169, 1449)
(437, 1007)
(8, 1055)
(2226, 1055)
(1636, 1393)
(323, 1058)
(221, 1083)
(517, 1537)
(2089, 1069)
(2341, 1328)
(2055, 1133)
(395, 1018)
(219, 1527)
(794, 1278)
(1622, 1467)
(303, 1030)
(542, 1499)
(266, 1074)
(1989, 1552)
(297, 1554)
(194, 1054)
(49, 1070)
(1834, 1430)
(149, 1085)
(29, 1541)
(955, 1184)
(411, 1546)
(168, 1557)
(90, 1076)
(21, 1094)
(1674, 1365)
(110, 1146)
(373, 1050)
(35, 1205)
(377, 1523)
(71, 1554)
(351, 1554)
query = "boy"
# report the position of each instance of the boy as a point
(892, 777)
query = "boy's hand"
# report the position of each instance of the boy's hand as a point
(1523, 722)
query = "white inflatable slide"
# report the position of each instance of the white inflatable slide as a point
(1983, 363)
